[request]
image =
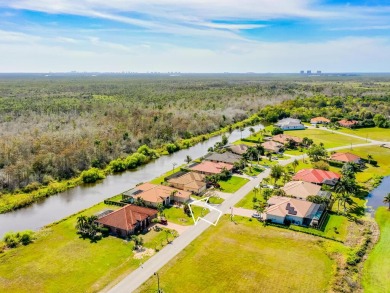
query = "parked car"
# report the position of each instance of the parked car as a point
(256, 216)
(163, 221)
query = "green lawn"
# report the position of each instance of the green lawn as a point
(336, 227)
(176, 215)
(247, 201)
(247, 257)
(330, 140)
(376, 274)
(253, 170)
(381, 155)
(382, 134)
(160, 179)
(60, 261)
(233, 184)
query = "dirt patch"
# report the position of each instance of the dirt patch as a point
(141, 252)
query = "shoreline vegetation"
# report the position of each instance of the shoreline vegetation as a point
(17, 200)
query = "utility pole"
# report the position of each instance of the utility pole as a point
(173, 167)
(158, 282)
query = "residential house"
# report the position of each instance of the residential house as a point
(226, 157)
(128, 219)
(319, 120)
(317, 176)
(302, 190)
(191, 181)
(238, 149)
(154, 194)
(283, 210)
(272, 146)
(211, 168)
(346, 158)
(290, 124)
(348, 123)
(285, 138)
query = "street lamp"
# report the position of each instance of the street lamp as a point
(173, 166)
(158, 282)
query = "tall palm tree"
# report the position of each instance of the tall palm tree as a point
(295, 164)
(81, 223)
(345, 187)
(188, 159)
(387, 199)
(337, 197)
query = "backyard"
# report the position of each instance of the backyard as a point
(329, 139)
(376, 274)
(247, 257)
(233, 184)
(60, 261)
(176, 215)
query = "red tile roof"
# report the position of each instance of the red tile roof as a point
(345, 157)
(283, 138)
(319, 119)
(211, 167)
(348, 123)
(316, 175)
(127, 217)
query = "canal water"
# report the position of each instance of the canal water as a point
(375, 197)
(73, 200)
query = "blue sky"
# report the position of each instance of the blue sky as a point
(194, 35)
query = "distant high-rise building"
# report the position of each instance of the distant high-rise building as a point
(319, 72)
(308, 72)
(302, 72)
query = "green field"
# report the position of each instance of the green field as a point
(375, 133)
(247, 257)
(60, 261)
(329, 139)
(247, 201)
(376, 274)
(233, 184)
(176, 215)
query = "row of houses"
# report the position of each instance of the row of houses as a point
(296, 124)
(294, 207)
(178, 189)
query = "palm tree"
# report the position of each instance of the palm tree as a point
(345, 187)
(387, 199)
(276, 172)
(295, 164)
(188, 159)
(337, 197)
(252, 130)
(369, 158)
(81, 223)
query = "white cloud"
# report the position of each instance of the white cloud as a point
(345, 54)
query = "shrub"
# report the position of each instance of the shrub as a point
(322, 165)
(92, 175)
(13, 239)
(118, 165)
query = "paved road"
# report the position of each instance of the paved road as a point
(142, 274)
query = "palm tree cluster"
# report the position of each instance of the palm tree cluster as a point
(87, 226)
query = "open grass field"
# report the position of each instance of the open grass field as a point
(233, 184)
(176, 215)
(247, 257)
(60, 261)
(375, 133)
(376, 274)
(329, 139)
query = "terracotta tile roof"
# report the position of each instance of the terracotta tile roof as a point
(158, 193)
(301, 189)
(348, 123)
(280, 206)
(345, 157)
(319, 120)
(239, 149)
(316, 176)
(272, 146)
(283, 138)
(212, 167)
(126, 217)
(190, 179)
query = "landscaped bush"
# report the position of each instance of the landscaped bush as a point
(92, 175)
(13, 239)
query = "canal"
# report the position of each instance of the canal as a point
(73, 200)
